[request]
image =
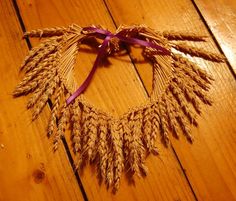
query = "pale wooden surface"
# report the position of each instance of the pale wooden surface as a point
(29, 169)
(220, 17)
(202, 171)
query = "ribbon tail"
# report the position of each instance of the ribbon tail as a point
(84, 85)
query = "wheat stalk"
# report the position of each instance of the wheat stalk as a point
(178, 94)
(192, 66)
(140, 146)
(199, 52)
(37, 72)
(193, 86)
(202, 94)
(133, 143)
(84, 131)
(92, 134)
(61, 127)
(188, 91)
(181, 70)
(184, 124)
(103, 145)
(155, 129)
(173, 124)
(43, 99)
(46, 32)
(76, 126)
(133, 147)
(66, 63)
(176, 35)
(163, 120)
(41, 88)
(110, 167)
(28, 85)
(35, 51)
(117, 148)
(147, 128)
(40, 57)
(55, 108)
(25, 89)
(89, 133)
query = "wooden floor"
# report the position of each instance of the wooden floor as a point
(204, 171)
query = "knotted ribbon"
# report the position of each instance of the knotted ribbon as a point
(102, 53)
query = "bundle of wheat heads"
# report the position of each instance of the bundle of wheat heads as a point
(121, 143)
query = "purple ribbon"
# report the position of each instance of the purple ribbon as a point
(102, 53)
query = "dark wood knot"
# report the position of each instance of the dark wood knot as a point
(38, 176)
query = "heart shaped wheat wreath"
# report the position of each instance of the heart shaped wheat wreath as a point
(116, 144)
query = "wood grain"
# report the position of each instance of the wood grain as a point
(220, 17)
(29, 170)
(209, 162)
(115, 89)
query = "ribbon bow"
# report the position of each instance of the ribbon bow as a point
(102, 52)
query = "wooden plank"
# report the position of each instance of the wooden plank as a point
(29, 170)
(209, 163)
(115, 89)
(220, 17)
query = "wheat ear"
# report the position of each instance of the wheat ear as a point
(64, 119)
(89, 147)
(180, 97)
(76, 126)
(42, 55)
(103, 146)
(176, 35)
(199, 52)
(163, 120)
(117, 148)
(155, 129)
(181, 118)
(133, 146)
(43, 99)
(173, 123)
(147, 128)
(55, 109)
(190, 66)
(46, 32)
(40, 48)
(110, 163)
